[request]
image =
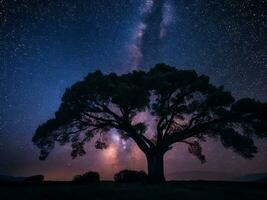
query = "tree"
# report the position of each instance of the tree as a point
(182, 104)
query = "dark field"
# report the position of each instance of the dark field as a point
(110, 190)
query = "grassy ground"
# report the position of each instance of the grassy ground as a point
(109, 191)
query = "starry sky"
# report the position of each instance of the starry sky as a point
(47, 45)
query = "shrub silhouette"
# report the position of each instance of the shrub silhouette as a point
(88, 177)
(130, 176)
(35, 178)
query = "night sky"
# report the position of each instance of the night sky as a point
(47, 45)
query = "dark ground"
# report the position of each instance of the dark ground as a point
(109, 190)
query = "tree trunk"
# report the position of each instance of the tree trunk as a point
(155, 167)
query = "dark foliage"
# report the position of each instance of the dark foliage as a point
(35, 178)
(126, 176)
(186, 108)
(88, 177)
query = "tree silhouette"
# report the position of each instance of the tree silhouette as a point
(185, 107)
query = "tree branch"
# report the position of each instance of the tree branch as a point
(108, 121)
(151, 144)
(187, 133)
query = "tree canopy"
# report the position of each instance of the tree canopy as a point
(183, 105)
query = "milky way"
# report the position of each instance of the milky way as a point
(47, 45)
(155, 18)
